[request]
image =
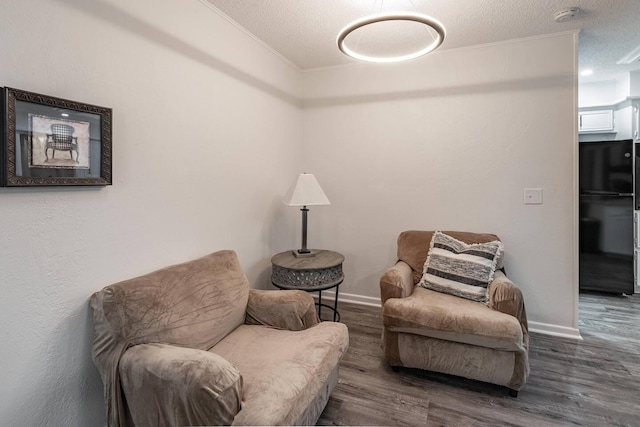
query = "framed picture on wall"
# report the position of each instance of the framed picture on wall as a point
(48, 141)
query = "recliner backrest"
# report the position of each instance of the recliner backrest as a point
(194, 304)
(413, 247)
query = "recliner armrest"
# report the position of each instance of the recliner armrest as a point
(504, 296)
(292, 310)
(396, 282)
(169, 385)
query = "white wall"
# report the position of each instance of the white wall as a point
(207, 131)
(634, 83)
(603, 92)
(623, 122)
(206, 137)
(450, 142)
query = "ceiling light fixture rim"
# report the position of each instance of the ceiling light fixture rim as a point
(566, 14)
(391, 16)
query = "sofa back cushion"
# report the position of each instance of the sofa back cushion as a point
(194, 304)
(413, 247)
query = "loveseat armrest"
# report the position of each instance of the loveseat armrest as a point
(504, 296)
(292, 310)
(396, 282)
(169, 385)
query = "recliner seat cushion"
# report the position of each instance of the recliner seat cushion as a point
(437, 315)
(282, 370)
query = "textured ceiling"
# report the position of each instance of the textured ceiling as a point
(304, 31)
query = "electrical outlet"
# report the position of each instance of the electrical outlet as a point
(533, 196)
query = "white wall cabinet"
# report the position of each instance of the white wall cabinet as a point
(595, 121)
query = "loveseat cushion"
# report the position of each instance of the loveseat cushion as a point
(294, 310)
(442, 316)
(282, 370)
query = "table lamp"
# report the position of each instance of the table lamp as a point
(305, 192)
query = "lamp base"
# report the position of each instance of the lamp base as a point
(307, 254)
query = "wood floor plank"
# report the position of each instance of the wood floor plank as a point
(594, 382)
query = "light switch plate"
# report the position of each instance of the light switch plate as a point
(533, 196)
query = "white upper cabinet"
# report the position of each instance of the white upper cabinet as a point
(595, 121)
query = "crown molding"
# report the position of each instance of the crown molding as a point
(250, 34)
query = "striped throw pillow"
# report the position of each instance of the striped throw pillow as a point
(459, 269)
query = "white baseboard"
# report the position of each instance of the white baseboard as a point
(352, 298)
(537, 327)
(555, 330)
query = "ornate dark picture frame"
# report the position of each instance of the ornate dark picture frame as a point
(48, 141)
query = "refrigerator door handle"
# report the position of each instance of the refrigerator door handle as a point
(606, 194)
(637, 231)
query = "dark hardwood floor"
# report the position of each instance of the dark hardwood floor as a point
(594, 382)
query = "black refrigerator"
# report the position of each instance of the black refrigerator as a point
(606, 216)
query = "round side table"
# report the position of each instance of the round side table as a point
(316, 273)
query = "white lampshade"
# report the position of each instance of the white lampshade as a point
(306, 192)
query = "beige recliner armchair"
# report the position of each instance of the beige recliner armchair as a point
(444, 333)
(191, 344)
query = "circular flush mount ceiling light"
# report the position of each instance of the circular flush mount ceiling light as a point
(566, 14)
(383, 17)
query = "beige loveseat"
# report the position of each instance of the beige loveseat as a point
(444, 333)
(191, 344)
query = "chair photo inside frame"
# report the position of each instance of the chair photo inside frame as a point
(61, 138)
